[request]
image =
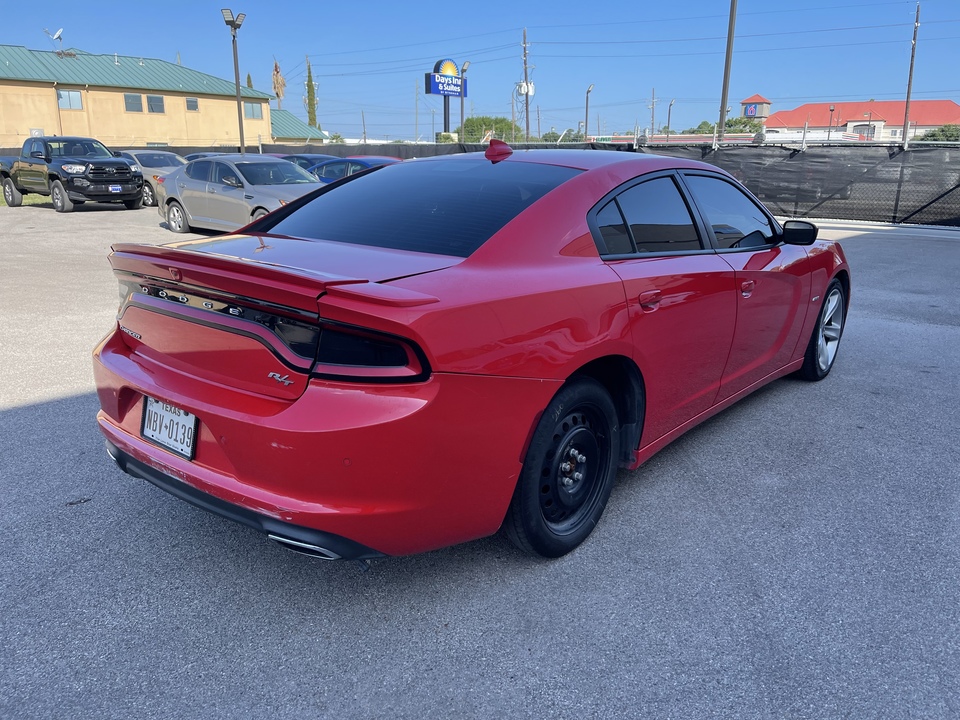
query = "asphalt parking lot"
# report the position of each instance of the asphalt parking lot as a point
(797, 556)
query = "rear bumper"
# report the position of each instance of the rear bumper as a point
(307, 540)
(391, 470)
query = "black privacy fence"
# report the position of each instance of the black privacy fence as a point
(881, 184)
(874, 183)
(920, 185)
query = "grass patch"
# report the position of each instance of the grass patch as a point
(32, 199)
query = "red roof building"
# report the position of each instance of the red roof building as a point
(872, 119)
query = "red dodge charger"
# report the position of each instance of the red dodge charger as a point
(426, 352)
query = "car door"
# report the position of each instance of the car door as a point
(772, 280)
(32, 171)
(227, 203)
(192, 189)
(680, 296)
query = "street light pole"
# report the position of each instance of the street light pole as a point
(234, 24)
(463, 90)
(830, 126)
(586, 113)
(669, 111)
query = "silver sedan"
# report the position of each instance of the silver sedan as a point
(227, 192)
(153, 163)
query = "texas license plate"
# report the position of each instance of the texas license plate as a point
(169, 426)
(116, 188)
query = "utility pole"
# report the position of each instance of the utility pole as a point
(653, 112)
(726, 70)
(526, 88)
(416, 111)
(513, 116)
(363, 120)
(913, 55)
(539, 134)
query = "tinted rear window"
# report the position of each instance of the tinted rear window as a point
(441, 207)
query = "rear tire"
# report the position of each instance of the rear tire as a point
(12, 196)
(568, 472)
(149, 197)
(177, 218)
(825, 341)
(58, 196)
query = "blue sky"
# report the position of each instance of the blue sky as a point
(370, 57)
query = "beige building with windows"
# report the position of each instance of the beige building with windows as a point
(127, 102)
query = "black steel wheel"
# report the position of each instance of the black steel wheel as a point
(568, 471)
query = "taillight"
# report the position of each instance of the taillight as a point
(348, 353)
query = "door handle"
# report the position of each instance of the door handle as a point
(746, 287)
(650, 300)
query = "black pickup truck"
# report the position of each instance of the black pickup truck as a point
(72, 171)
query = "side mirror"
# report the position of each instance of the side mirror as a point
(232, 181)
(116, 153)
(37, 154)
(799, 232)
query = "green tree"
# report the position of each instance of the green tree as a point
(311, 97)
(550, 137)
(704, 128)
(337, 139)
(444, 138)
(249, 81)
(743, 125)
(944, 132)
(478, 127)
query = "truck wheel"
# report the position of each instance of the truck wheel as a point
(61, 203)
(177, 218)
(12, 196)
(134, 204)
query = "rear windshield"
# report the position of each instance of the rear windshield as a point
(440, 207)
(160, 159)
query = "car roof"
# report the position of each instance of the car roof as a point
(248, 157)
(586, 159)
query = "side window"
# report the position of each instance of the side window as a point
(355, 168)
(613, 231)
(736, 220)
(222, 171)
(334, 171)
(199, 170)
(658, 217)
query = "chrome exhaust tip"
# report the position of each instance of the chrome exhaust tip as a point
(304, 548)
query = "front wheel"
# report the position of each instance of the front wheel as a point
(177, 218)
(568, 471)
(58, 196)
(825, 341)
(11, 196)
(149, 198)
(259, 213)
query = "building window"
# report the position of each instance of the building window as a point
(155, 103)
(253, 110)
(866, 130)
(133, 102)
(193, 105)
(69, 100)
